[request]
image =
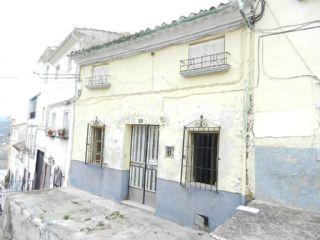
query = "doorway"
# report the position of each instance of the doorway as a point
(143, 164)
(38, 171)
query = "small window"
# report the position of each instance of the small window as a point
(200, 156)
(69, 64)
(43, 119)
(66, 120)
(100, 70)
(169, 152)
(95, 143)
(53, 121)
(47, 73)
(57, 71)
(32, 107)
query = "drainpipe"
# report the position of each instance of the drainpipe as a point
(241, 9)
(77, 96)
(246, 183)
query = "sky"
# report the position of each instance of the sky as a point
(28, 27)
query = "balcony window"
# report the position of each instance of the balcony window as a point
(99, 78)
(57, 71)
(32, 107)
(204, 58)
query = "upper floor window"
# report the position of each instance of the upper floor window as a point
(57, 71)
(66, 120)
(32, 107)
(206, 48)
(205, 57)
(53, 121)
(63, 132)
(99, 78)
(69, 64)
(43, 116)
(47, 73)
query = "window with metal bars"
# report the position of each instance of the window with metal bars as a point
(95, 143)
(200, 155)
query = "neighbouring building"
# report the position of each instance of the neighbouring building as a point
(5, 123)
(286, 104)
(161, 120)
(17, 164)
(51, 112)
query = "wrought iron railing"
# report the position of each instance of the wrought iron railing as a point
(204, 62)
(100, 81)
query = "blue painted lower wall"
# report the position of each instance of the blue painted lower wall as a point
(173, 202)
(106, 182)
(288, 175)
(179, 204)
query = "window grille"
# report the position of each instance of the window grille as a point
(199, 166)
(95, 143)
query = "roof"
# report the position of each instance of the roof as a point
(86, 36)
(47, 53)
(19, 146)
(182, 19)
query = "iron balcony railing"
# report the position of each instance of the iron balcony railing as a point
(205, 64)
(100, 81)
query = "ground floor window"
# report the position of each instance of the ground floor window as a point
(200, 155)
(95, 143)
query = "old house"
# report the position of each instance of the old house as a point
(17, 164)
(161, 120)
(286, 104)
(51, 112)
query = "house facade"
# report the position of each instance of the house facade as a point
(161, 120)
(286, 104)
(51, 112)
(17, 164)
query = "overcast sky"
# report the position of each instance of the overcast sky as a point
(27, 27)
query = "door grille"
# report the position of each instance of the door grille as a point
(144, 157)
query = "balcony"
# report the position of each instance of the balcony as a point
(204, 64)
(97, 82)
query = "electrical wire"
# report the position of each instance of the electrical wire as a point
(255, 18)
(278, 33)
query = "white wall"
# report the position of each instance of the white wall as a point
(53, 91)
(286, 106)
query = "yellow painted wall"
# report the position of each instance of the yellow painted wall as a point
(151, 88)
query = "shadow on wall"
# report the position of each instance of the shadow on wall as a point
(180, 204)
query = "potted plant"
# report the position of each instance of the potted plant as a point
(63, 133)
(51, 132)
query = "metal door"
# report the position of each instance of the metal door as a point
(38, 170)
(143, 164)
